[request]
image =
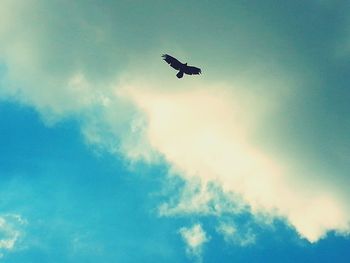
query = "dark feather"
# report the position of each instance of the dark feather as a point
(189, 70)
(173, 62)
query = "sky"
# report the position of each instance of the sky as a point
(107, 156)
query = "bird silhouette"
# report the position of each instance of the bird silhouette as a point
(181, 67)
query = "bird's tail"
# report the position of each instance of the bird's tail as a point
(180, 74)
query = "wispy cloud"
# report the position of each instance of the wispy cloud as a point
(234, 235)
(194, 237)
(200, 198)
(10, 232)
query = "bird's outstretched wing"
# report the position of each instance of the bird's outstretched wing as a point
(192, 70)
(173, 62)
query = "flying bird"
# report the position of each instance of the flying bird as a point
(182, 68)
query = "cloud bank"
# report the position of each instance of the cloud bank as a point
(205, 129)
(202, 133)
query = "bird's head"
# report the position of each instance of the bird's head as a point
(185, 64)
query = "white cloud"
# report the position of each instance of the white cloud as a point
(10, 232)
(232, 234)
(206, 134)
(194, 237)
(199, 198)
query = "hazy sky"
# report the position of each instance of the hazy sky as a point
(107, 156)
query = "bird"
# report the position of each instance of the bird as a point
(181, 67)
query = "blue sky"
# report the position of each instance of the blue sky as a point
(107, 156)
